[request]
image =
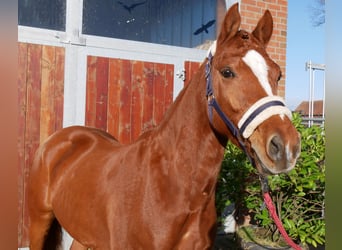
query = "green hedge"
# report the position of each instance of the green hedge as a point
(298, 195)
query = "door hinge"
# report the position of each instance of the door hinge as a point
(181, 74)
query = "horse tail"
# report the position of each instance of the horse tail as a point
(53, 237)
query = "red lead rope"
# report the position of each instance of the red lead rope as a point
(272, 211)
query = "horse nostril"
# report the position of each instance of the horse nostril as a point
(276, 148)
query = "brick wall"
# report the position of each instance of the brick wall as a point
(251, 11)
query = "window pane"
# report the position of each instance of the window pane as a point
(186, 23)
(48, 14)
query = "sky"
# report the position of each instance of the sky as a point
(305, 42)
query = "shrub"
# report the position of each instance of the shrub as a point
(297, 195)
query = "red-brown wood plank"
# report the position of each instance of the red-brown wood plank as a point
(114, 88)
(22, 67)
(190, 69)
(169, 68)
(194, 68)
(158, 93)
(47, 125)
(90, 116)
(32, 132)
(59, 87)
(137, 99)
(101, 93)
(187, 70)
(125, 105)
(148, 81)
(52, 90)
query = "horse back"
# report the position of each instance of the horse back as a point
(59, 159)
(71, 142)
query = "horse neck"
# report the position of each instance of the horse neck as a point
(186, 126)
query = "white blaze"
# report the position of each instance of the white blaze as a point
(260, 69)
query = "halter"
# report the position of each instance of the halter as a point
(251, 119)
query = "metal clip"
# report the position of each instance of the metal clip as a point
(264, 184)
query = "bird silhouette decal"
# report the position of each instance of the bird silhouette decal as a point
(205, 27)
(129, 8)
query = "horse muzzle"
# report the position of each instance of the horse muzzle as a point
(276, 148)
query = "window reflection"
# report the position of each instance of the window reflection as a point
(186, 23)
(48, 14)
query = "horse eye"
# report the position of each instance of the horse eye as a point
(227, 73)
(279, 77)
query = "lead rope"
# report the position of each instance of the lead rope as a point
(212, 103)
(272, 211)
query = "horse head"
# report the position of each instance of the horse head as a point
(242, 80)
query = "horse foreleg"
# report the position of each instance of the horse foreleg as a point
(39, 228)
(37, 234)
(200, 229)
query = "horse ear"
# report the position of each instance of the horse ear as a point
(263, 30)
(230, 25)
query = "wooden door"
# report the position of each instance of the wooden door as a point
(127, 97)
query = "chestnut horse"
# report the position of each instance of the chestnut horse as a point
(159, 192)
